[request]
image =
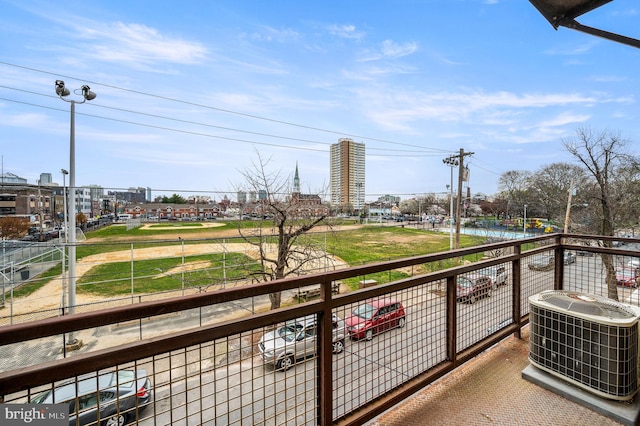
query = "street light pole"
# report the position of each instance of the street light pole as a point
(66, 231)
(452, 162)
(87, 95)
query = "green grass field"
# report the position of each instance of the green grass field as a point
(366, 244)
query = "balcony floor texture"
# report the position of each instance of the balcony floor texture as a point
(490, 390)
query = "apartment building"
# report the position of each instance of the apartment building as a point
(347, 179)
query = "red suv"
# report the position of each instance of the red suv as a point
(373, 317)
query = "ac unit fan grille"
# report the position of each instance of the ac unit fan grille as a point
(600, 357)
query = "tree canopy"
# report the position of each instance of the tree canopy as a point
(174, 199)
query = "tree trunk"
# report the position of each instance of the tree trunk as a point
(276, 300)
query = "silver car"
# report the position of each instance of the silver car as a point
(109, 399)
(497, 273)
(295, 340)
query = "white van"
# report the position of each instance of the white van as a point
(124, 216)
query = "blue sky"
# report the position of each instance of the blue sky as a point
(189, 92)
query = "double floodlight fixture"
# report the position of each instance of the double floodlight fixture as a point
(85, 91)
(451, 161)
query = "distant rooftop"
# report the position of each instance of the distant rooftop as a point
(11, 178)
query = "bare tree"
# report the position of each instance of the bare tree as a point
(603, 155)
(514, 186)
(627, 185)
(550, 188)
(285, 248)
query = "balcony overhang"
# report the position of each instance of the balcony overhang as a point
(563, 13)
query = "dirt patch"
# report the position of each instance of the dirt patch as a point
(48, 297)
(189, 266)
(161, 227)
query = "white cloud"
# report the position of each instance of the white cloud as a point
(579, 49)
(564, 119)
(138, 44)
(273, 34)
(391, 49)
(346, 31)
(388, 49)
(607, 78)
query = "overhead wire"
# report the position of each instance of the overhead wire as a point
(411, 153)
(420, 151)
(343, 134)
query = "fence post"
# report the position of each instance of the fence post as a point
(517, 289)
(324, 332)
(132, 290)
(452, 319)
(182, 266)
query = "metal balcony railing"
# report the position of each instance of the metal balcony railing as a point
(203, 352)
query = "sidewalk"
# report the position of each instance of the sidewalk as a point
(490, 390)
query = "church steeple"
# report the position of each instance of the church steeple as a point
(296, 181)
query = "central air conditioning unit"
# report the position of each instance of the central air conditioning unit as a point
(587, 340)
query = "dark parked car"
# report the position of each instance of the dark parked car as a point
(471, 288)
(109, 399)
(52, 233)
(375, 316)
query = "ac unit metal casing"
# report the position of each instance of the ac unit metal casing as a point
(587, 340)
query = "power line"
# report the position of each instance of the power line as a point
(342, 134)
(410, 153)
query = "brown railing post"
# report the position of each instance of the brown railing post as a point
(452, 347)
(517, 289)
(325, 357)
(558, 270)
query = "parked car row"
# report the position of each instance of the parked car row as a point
(297, 339)
(44, 235)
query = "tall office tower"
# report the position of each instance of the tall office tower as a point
(347, 174)
(45, 179)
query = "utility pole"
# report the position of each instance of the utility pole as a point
(459, 160)
(451, 161)
(568, 211)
